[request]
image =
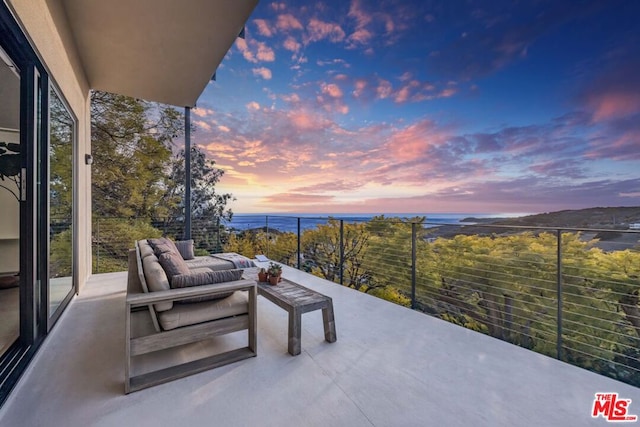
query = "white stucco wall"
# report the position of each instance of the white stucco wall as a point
(44, 23)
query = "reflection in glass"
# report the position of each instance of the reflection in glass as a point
(60, 202)
(10, 155)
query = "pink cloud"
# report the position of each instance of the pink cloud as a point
(293, 98)
(294, 200)
(277, 6)
(320, 30)
(253, 105)
(263, 72)
(415, 141)
(202, 112)
(614, 105)
(359, 87)
(291, 44)
(263, 27)
(329, 186)
(384, 89)
(331, 89)
(255, 51)
(405, 93)
(202, 124)
(304, 120)
(287, 22)
(265, 53)
(361, 36)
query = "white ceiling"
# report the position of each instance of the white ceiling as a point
(158, 50)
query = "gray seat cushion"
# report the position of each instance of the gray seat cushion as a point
(191, 314)
(210, 262)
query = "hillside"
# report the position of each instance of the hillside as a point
(607, 218)
(617, 218)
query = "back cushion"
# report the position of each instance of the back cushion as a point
(145, 249)
(173, 264)
(156, 280)
(185, 248)
(162, 245)
(169, 257)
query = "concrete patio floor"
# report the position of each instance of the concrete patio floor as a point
(390, 367)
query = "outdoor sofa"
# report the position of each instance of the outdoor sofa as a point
(174, 299)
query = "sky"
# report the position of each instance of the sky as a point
(428, 107)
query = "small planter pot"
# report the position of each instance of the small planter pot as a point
(263, 277)
(273, 280)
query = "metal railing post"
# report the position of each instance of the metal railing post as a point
(98, 246)
(559, 296)
(342, 252)
(413, 264)
(266, 220)
(299, 246)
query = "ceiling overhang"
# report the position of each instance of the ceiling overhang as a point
(158, 50)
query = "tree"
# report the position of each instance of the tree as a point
(207, 206)
(131, 141)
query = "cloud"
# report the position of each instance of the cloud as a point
(202, 124)
(384, 24)
(292, 98)
(224, 129)
(297, 199)
(253, 106)
(331, 89)
(318, 30)
(255, 51)
(329, 187)
(263, 27)
(202, 112)
(384, 89)
(263, 72)
(291, 44)
(287, 22)
(305, 120)
(614, 93)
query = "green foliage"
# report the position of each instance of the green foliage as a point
(390, 293)
(131, 143)
(116, 237)
(61, 255)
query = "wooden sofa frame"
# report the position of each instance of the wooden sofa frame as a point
(140, 299)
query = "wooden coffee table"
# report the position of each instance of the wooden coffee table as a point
(296, 299)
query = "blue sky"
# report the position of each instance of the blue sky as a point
(428, 106)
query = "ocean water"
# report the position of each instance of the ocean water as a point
(289, 222)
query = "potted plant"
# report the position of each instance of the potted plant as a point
(275, 273)
(262, 275)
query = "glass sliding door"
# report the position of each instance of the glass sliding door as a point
(10, 180)
(61, 191)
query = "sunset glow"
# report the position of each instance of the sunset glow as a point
(413, 106)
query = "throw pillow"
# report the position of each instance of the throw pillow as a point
(205, 278)
(173, 264)
(162, 245)
(185, 248)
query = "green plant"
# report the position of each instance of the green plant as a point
(274, 269)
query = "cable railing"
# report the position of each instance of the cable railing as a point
(568, 293)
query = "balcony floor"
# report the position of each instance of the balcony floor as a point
(390, 367)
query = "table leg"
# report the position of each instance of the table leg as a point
(295, 331)
(329, 323)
